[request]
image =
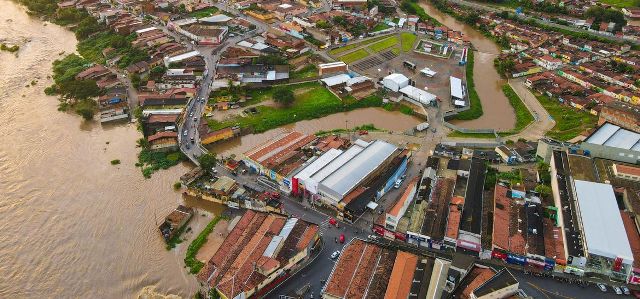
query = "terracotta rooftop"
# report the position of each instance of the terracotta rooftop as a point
(630, 170)
(406, 196)
(165, 134)
(353, 272)
(475, 277)
(505, 224)
(402, 276)
(633, 236)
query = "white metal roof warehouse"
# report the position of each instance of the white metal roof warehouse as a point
(614, 136)
(311, 184)
(348, 176)
(317, 164)
(418, 94)
(457, 92)
(602, 225)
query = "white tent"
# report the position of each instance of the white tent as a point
(418, 95)
(395, 81)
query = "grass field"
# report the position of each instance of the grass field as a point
(380, 26)
(621, 3)
(355, 45)
(569, 121)
(305, 72)
(384, 44)
(354, 56)
(523, 115)
(312, 100)
(408, 40)
(204, 12)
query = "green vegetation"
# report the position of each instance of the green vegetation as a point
(365, 127)
(384, 44)
(356, 45)
(412, 7)
(621, 3)
(356, 29)
(152, 161)
(491, 178)
(601, 14)
(523, 115)
(91, 48)
(354, 56)
(283, 96)
(8, 48)
(190, 258)
(115, 162)
(270, 59)
(307, 71)
(208, 162)
(312, 100)
(380, 26)
(504, 66)
(398, 107)
(569, 121)
(408, 39)
(76, 94)
(177, 186)
(475, 109)
(203, 13)
(458, 134)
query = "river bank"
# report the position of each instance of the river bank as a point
(86, 228)
(497, 112)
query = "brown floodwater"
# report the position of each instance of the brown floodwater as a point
(73, 225)
(380, 118)
(498, 113)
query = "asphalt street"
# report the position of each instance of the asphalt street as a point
(549, 288)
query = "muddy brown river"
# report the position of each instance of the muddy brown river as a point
(380, 118)
(73, 225)
(498, 113)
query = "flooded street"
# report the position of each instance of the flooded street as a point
(74, 226)
(498, 113)
(380, 118)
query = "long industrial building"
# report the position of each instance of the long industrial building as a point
(614, 143)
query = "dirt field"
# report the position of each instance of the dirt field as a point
(213, 241)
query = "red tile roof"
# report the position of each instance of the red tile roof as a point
(402, 276)
(633, 236)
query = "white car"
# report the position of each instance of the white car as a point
(602, 287)
(372, 237)
(335, 254)
(625, 290)
(617, 290)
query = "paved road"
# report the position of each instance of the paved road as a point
(487, 7)
(549, 288)
(190, 143)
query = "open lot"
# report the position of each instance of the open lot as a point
(356, 45)
(312, 100)
(384, 44)
(569, 121)
(354, 56)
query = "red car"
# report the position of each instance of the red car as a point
(341, 238)
(333, 222)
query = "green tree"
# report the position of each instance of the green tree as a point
(544, 190)
(85, 108)
(136, 80)
(283, 96)
(79, 89)
(207, 162)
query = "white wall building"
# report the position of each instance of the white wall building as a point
(395, 82)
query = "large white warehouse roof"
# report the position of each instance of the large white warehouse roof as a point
(351, 173)
(602, 224)
(614, 136)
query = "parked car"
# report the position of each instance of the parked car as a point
(341, 238)
(397, 184)
(372, 237)
(625, 290)
(602, 287)
(335, 254)
(617, 290)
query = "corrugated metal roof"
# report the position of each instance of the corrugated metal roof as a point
(286, 230)
(273, 245)
(349, 175)
(335, 80)
(317, 164)
(623, 139)
(456, 87)
(337, 162)
(602, 224)
(603, 134)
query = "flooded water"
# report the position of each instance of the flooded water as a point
(498, 113)
(73, 225)
(380, 118)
